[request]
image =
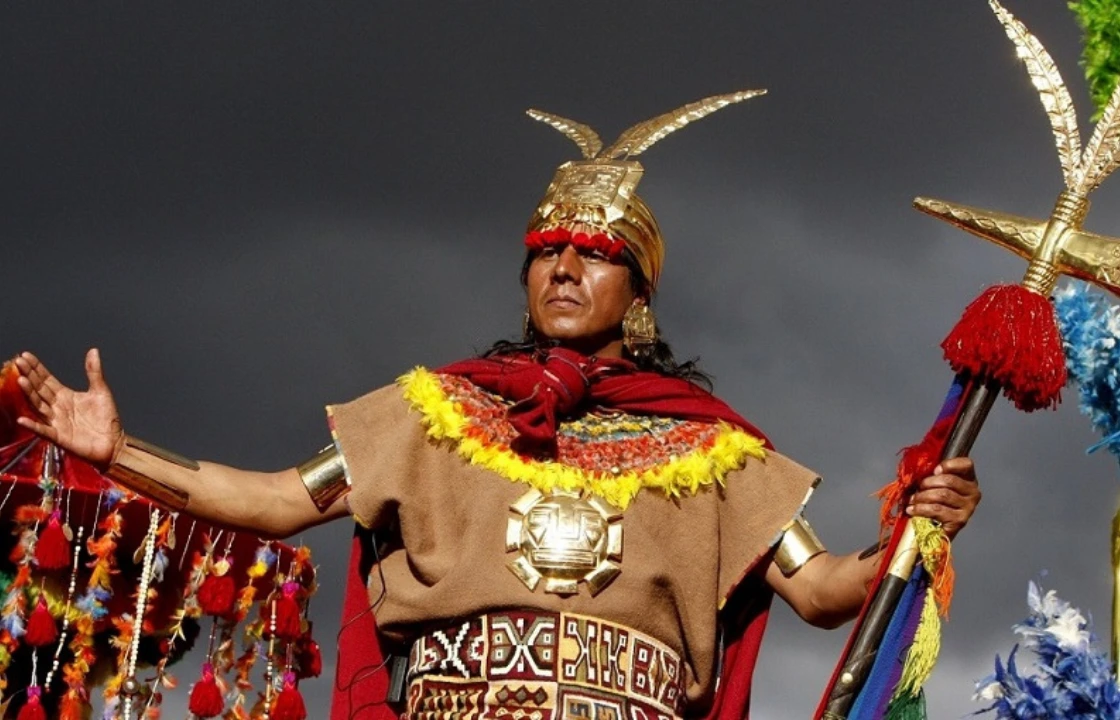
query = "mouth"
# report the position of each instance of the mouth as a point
(563, 302)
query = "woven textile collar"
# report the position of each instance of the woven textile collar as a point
(613, 456)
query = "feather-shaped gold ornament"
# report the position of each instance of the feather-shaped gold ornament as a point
(598, 192)
(582, 135)
(1102, 154)
(1052, 91)
(639, 138)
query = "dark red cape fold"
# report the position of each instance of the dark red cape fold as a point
(561, 382)
(545, 388)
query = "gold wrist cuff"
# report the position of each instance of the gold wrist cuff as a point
(132, 467)
(798, 545)
(325, 478)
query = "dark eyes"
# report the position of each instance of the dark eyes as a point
(551, 251)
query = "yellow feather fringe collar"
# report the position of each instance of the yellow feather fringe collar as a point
(445, 421)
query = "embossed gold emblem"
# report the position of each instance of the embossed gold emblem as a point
(564, 538)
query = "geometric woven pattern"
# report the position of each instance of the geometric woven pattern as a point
(529, 665)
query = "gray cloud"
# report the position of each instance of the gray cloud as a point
(255, 210)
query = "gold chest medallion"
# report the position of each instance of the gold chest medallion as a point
(564, 538)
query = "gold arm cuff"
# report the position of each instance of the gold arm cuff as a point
(798, 545)
(131, 468)
(325, 478)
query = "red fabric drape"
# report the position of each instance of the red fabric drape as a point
(561, 382)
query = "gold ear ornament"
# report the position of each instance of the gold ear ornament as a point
(639, 329)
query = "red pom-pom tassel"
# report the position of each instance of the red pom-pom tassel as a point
(285, 621)
(41, 628)
(1009, 334)
(217, 594)
(206, 699)
(52, 549)
(289, 703)
(309, 658)
(33, 708)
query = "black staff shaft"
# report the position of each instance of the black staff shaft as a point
(857, 663)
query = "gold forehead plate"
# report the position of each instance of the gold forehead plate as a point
(603, 185)
(564, 538)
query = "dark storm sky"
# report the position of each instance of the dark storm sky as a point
(255, 209)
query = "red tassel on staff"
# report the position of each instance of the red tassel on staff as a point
(52, 549)
(1009, 334)
(33, 708)
(289, 703)
(41, 628)
(206, 699)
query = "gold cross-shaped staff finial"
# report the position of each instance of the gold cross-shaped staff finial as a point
(1057, 246)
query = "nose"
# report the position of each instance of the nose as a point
(568, 267)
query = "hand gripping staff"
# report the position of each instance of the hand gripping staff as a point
(1007, 339)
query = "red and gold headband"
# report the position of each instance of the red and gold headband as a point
(598, 191)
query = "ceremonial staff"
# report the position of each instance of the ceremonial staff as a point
(1006, 340)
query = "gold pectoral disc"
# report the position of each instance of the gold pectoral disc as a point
(564, 538)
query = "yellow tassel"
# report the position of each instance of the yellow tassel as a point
(923, 653)
(445, 421)
(935, 550)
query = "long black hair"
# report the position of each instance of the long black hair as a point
(659, 359)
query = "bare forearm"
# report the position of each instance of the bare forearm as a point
(829, 590)
(271, 505)
(267, 504)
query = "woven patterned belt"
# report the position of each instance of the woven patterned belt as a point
(529, 665)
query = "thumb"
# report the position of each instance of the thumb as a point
(93, 370)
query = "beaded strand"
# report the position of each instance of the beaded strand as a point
(69, 601)
(130, 687)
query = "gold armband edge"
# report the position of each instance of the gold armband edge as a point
(798, 545)
(325, 477)
(125, 471)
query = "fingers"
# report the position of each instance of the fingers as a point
(45, 431)
(45, 384)
(93, 370)
(949, 497)
(34, 397)
(959, 466)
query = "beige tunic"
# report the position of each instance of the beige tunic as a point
(681, 557)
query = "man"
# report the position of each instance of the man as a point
(570, 525)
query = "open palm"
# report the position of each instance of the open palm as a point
(85, 424)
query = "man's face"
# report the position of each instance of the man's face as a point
(578, 297)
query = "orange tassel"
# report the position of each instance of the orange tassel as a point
(71, 707)
(41, 628)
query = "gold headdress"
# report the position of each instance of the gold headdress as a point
(598, 191)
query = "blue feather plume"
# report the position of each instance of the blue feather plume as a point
(1090, 327)
(1074, 681)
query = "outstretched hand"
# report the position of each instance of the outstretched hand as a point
(949, 496)
(85, 424)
